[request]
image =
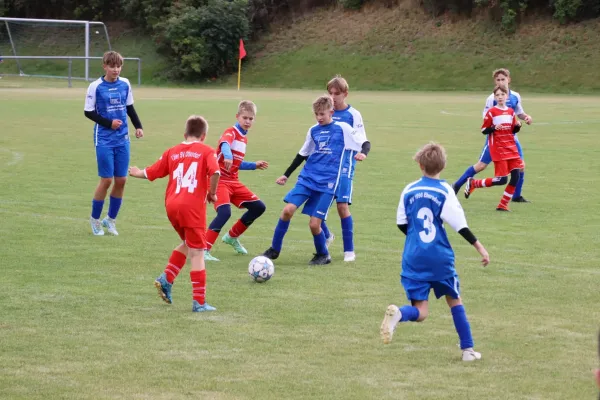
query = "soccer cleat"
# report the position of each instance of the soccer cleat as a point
(349, 256)
(469, 188)
(209, 257)
(520, 199)
(502, 208)
(320, 259)
(271, 253)
(330, 239)
(390, 320)
(164, 288)
(235, 243)
(197, 307)
(110, 226)
(470, 355)
(97, 229)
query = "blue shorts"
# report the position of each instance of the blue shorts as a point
(486, 157)
(317, 203)
(419, 290)
(112, 161)
(343, 193)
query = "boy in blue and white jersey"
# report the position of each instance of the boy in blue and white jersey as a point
(501, 78)
(338, 90)
(318, 180)
(108, 102)
(428, 258)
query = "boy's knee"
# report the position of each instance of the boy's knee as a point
(480, 166)
(315, 226)
(514, 177)
(120, 181)
(503, 180)
(343, 210)
(288, 212)
(224, 212)
(423, 314)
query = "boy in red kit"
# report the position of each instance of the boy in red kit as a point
(500, 125)
(231, 151)
(191, 166)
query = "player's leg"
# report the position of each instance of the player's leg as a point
(223, 210)
(417, 293)
(518, 197)
(105, 160)
(243, 198)
(121, 160)
(484, 159)
(195, 239)
(164, 282)
(510, 189)
(500, 178)
(321, 256)
(330, 237)
(347, 231)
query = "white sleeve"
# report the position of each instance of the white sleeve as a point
(519, 110)
(129, 94)
(308, 147)
(353, 139)
(359, 125)
(452, 211)
(90, 98)
(489, 103)
(401, 218)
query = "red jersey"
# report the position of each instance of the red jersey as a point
(237, 141)
(189, 165)
(501, 142)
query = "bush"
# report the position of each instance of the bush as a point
(352, 4)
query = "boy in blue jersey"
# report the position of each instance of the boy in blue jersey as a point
(108, 102)
(501, 78)
(428, 258)
(318, 180)
(338, 90)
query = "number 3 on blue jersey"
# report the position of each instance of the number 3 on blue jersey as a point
(428, 233)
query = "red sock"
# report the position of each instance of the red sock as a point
(198, 279)
(237, 229)
(508, 194)
(176, 262)
(211, 238)
(479, 183)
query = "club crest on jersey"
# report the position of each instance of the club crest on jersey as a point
(115, 98)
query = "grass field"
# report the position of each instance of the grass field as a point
(80, 318)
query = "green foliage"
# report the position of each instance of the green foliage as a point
(352, 4)
(146, 14)
(203, 40)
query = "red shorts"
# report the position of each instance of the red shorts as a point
(194, 237)
(503, 167)
(233, 192)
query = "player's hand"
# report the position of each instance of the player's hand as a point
(228, 164)
(485, 257)
(519, 123)
(211, 198)
(360, 156)
(262, 165)
(136, 172)
(116, 124)
(528, 120)
(139, 133)
(281, 180)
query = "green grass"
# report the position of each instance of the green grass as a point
(80, 318)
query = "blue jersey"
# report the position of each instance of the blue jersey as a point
(352, 117)
(110, 100)
(324, 146)
(425, 205)
(513, 101)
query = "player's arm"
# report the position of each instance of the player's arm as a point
(212, 169)
(489, 103)
(159, 169)
(135, 119)
(89, 110)
(523, 116)
(401, 219)
(516, 126)
(306, 150)
(488, 124)
(361, 135)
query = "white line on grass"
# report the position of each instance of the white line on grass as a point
(16, 156)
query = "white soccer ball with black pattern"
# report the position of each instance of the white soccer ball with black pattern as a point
(261, 269)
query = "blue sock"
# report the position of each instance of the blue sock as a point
(325, 229)
(469, 173)
(519, 185)
(280, 231)
(97, 206)
(320, 243)
(113, 206)
(409, 313)
(461, 323)
(347, 233)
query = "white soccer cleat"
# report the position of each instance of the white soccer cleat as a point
(349, 256)
(390, 320)
(470, 355)
(96, 227)
(110, 226)
(330, 239)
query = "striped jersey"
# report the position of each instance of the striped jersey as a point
(237, 140)
(501, 142)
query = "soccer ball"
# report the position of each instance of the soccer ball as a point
(261, 269)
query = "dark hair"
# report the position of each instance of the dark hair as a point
(196, 126)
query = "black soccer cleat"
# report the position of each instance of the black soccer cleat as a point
(502, 209)
(271, 253)
(320, 259)
(520, 199)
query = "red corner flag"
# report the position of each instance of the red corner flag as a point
(242, 49)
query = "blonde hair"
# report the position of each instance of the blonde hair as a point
(501, 71)
(502, 88)
(323, 103)
(112, 58)
(248, 106)
(432, 158)
(338, 83)
(196, 126)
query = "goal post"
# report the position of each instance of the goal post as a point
(54, 22)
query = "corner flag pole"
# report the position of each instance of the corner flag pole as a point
(241, 55)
